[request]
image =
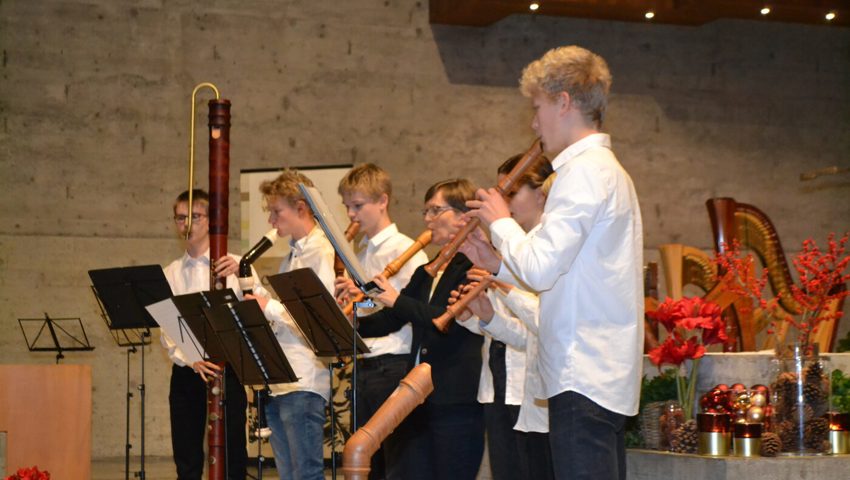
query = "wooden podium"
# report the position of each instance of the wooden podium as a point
(46, 412)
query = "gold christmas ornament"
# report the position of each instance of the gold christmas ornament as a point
(755, 415)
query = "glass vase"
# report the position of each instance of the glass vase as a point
(672, 417)
(800, 398)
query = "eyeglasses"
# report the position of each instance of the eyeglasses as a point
(436, 211)
(181, 219)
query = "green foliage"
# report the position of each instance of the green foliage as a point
(658, 389)
(840, 391)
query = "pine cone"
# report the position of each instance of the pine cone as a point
(814, 372)
(816, 432)
(813, 393)
(787, 432)
(808, 412)
(785, 390)
(685, 438)
(770, 444)
(785, 378)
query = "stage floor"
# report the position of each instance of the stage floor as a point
(160, 468)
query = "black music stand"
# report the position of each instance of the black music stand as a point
(62, 338)
(191, 307)
(252, 350)
(122, 294)
(322, 324)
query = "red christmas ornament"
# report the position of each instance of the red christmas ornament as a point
(705, 402)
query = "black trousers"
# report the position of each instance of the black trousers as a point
(513, 454)
(499, 421)
(187, 401)
(456, 432)
(588, 441)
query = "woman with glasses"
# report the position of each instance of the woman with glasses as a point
(450, 424)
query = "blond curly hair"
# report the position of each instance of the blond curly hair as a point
(581, 73)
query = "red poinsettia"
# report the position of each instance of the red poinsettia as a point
(32, 473)
(673, 351)
(691, 324)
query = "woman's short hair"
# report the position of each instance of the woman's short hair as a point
(456, 192)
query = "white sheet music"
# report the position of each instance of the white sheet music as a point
(168, 317)
(335, 234)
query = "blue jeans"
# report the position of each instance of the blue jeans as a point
(297, 422)
(587, 440)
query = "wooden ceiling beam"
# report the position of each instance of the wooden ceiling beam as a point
(682, 12)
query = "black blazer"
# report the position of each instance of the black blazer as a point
(455, 357)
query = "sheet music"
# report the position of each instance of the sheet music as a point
(168, 317)
(337, 237)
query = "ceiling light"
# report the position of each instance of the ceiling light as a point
(830, 16)
(765, 10)
(649, 15)
(534, 6)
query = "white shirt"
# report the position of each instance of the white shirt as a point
(315, 252)
(505, 328)
(386, 246)
(586, 261)
(514, 323)
(191, 275)
(534, 409)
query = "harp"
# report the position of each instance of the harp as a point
(752, 228)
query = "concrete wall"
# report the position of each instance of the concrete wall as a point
(94, 99)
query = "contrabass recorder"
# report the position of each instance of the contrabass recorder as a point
(219, 179)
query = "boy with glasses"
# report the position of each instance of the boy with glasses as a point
(187, 398)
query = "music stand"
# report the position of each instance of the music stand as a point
(182, 318)
(252, 350)
(336, 236)
(62, 340)
(122, 293)
(321, 323)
